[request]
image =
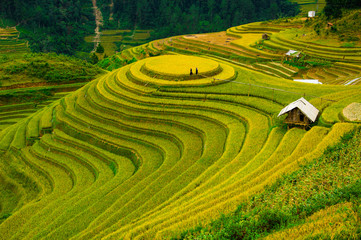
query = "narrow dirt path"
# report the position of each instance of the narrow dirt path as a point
(111, 6)
(98, 23)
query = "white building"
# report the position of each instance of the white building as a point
(313, 81)
(311, 14)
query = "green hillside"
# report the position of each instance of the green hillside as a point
(141, 153)
(151, 151)
(310, 5)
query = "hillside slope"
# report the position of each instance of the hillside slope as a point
(147, 151)
(151, 151)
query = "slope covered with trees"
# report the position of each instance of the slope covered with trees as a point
(334, 7)
(181, 17)
(60, 26)
(51, 26)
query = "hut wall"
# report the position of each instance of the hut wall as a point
(297, 117)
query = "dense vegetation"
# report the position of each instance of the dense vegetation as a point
(44, 67)
(334, 7)
(181, 17)
(52, 26)
(60, 26)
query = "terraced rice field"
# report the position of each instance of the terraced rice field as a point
(110, 38)
(243, 46)
(13, 113)
(149, 150)
(10, 42)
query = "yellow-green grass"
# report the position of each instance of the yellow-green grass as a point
(190, 46)
(333, 113)
(331, 222)
(284, 41)
(105, 180)
(288, 37)
(99, 169)
(213, 48)
(258, 27)
(13, 113)
(9, 197)
(246, 41)
(138, 160)
(6, 137)
(82, 175)
(210, 203)
(178, 67)
(270, 146)
(334, 135)
(272, 70)
(62, 181)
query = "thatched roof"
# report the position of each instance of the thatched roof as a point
(304, 106)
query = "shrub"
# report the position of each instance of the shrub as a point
(348, 45)
(100, 49)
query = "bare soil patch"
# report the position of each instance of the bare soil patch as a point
(217, 38)
(353, 112)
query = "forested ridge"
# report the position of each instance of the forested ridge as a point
(181, 17)
(333, 7)
(60, 26)
(51, 26)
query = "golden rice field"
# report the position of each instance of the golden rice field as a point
(149, 150)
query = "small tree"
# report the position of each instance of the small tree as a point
(94, 59)
(100, 49)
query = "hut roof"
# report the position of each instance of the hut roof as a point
(305, 107)
(313, 81)
(311, 13)
(293, 53)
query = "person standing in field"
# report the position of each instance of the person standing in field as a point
(191, 73)
(196, 70)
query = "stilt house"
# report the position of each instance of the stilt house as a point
(300, 112)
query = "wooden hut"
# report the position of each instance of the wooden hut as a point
(300, 113)
(329, 25)
(265, 36)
